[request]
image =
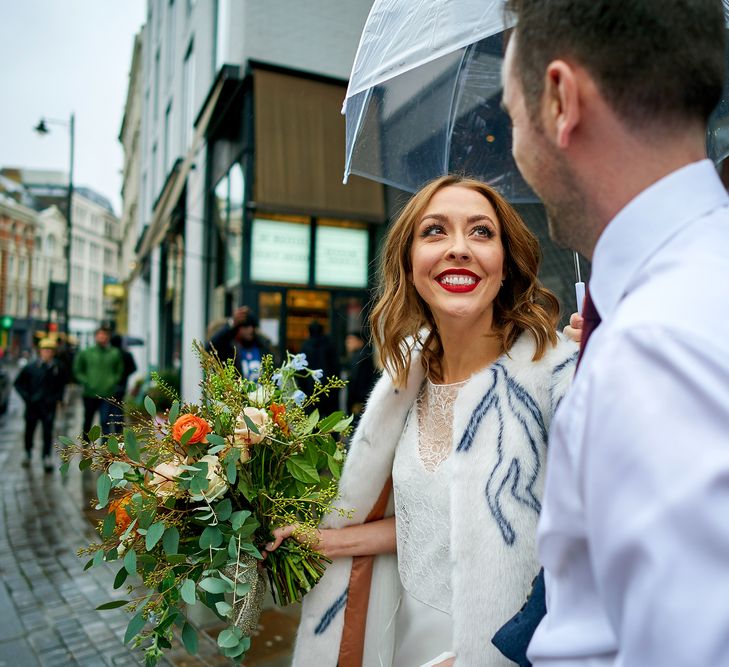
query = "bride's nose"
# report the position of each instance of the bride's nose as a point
(459, 250)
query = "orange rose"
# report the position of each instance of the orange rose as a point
(185, 422)
(118, 507)
(279, 417)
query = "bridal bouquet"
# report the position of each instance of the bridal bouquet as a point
(193, 494)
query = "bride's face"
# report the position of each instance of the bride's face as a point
(457, 256)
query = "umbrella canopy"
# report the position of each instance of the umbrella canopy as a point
(424, 98)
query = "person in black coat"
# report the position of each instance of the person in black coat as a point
(321, 355)
(362, 374)
(40, 384)
(239, 339)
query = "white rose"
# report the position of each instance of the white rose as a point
(163, 478)
(216, 483)
(243, 436)
(261, 396)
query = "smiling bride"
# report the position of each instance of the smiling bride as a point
(446, 468)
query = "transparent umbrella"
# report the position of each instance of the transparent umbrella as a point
(424, 99)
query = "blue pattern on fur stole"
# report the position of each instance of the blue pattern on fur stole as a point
(566, 366)
(510, 476)
(331, 613)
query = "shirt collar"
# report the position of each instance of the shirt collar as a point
(646, 223)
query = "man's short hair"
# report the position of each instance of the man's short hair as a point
(655, 61)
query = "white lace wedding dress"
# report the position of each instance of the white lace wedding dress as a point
(421, 477)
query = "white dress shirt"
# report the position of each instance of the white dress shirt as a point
(634, 530)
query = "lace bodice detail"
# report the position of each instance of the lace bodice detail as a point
(421, 475)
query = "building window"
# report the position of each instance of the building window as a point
(170, 40)
(167, 146)
(51, 244)
(156, 92)
(108, 258)
(188, 97)
(221, 33)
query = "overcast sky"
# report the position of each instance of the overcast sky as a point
(63, 56)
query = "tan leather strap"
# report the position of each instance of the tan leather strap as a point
(351, 648)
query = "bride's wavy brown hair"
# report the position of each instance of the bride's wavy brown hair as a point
(401, 320)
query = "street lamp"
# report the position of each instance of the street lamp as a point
(42, 129)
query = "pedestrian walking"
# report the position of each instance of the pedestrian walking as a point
(40, 384)
(98, 369)
(609, 103)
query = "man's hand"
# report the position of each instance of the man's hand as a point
(240, 315)
(574, 329)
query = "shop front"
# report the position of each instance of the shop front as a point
(286, 237)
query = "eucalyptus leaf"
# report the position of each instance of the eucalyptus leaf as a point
(114, 604)
(150, 407)
(223, 608)
(215, 440)
(66, 441)
(229, 637)
(134, 627)
(224, 509)
(94, 433)
(251, 425)
(187, 435)
(112, 444)
(118, 469)
(103, 486)
(107, 529)
(131, 446)
(187, 591)
(213, 585)
(211, 537)
(237, 519)
(154, 533)
(174, 412)
(121, 577)
(130, 561)
(189, 638)
(171, 540)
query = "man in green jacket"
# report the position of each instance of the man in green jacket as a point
(98, 370)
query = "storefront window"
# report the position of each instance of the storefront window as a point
(234, 228)
(342, 256)
(280, 251)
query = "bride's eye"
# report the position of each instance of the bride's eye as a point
(432, 230)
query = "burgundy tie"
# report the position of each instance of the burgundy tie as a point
(591, 321)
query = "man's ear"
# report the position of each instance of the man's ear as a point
(561, 102)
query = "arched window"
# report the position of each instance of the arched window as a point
(51, 245)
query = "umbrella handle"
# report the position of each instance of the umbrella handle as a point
(580, 294)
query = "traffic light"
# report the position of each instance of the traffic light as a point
(6, 322)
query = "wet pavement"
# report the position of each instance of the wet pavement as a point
(47, 603)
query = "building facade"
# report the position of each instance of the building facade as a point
(240, 168)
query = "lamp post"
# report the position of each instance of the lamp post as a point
(42, 128)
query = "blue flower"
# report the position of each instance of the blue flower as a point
(277, 378)
(317, 375)
(298, 397)
(298, 362)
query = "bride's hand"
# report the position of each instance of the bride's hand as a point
(285, 532)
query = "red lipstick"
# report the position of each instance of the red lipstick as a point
(458, 285)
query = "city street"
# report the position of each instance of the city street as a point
(47, 602)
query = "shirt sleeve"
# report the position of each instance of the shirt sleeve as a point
(655, 473)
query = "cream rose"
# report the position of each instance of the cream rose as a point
(163, 477)
(261, 396)
(216, 483)
(243, 436)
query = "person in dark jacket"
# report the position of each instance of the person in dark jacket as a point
(239, 339)
(116, 413)
(98, 370)
(321, 355)
(362, 374)
(40, 384)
